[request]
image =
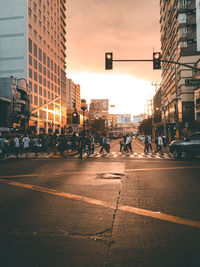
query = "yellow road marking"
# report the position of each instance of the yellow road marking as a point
(143, 212)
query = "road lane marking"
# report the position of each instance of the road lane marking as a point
(129, 209)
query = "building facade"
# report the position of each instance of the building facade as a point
(99, 108)
(33, 38)
(180, 42)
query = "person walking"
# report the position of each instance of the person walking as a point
(149, 142)
(128, 142)
(16, 146)
(35, 145)
(108, 144)
(160, 145)
(2, 147)
(103, 145)
(92, 143)
(26, 144)
(146, 145)
(121, 143)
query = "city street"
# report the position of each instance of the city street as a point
(112, 211)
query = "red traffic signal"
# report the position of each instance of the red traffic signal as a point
(108, 61)
(156, 60)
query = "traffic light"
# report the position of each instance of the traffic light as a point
(109, 61)
(156, 60)
(75, 118)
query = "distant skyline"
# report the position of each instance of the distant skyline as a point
(130, 29)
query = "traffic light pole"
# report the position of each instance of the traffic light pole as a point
(151, 60)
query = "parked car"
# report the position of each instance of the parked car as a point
(189, 146)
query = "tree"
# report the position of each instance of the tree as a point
(146, 126)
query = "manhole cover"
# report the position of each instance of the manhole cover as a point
(111, 175)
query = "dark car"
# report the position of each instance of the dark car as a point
(189, 146)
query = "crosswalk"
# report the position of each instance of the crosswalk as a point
(134, 155)
(114, 155)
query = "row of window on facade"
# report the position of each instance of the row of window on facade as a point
(46, 5)
(45, 44)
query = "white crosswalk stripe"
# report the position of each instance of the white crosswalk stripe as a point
(127, 155)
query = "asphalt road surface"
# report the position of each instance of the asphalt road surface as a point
(105, 211)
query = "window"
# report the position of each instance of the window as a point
(35, 18)
(55, 68)
(35, 76)
(45, 92)
(40, 79)
(44, 58)
(52, 76)
(35, 50)
(30, 45)
(30, 60)
(35, 35)
(44, 82)
(49, 95)
(40, 67)
(48, 74)
(29, 12)
(40, 54)
(40, 90)
(35, 7)
(48, 62)
(52, 65)
(55, 79)
(35, 100)
(35, 64)
(35, 88)
(30, 28)
(30, 86)
(40, 101)
(44, 71)
(48, 84)
(52, 87)
(30, 73)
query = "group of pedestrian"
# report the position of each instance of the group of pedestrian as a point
(17, 145)
(160, 142)
(86, 142)
(126, 143)
(105, 144)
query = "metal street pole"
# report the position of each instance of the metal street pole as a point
(177, 116)
(163, 107)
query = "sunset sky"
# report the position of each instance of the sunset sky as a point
(131, 30)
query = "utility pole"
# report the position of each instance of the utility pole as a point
(163, 106)
(177, 116)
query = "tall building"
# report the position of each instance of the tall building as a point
(73, 98)
(32, 36)
(180, 42)
(99, 108)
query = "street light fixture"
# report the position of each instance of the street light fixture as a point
(83, 107)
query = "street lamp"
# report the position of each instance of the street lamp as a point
(83, 107)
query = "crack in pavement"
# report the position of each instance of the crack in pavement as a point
(111, 241)
(104, 236)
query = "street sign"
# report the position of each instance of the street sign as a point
(192, 82)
